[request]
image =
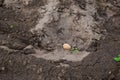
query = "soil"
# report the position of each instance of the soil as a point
(32, 33)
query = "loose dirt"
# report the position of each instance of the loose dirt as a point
(32, 33)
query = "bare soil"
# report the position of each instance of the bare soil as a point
(32, 34)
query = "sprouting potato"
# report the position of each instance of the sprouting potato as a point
(66, 46)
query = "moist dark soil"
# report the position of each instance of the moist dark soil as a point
(16, 64)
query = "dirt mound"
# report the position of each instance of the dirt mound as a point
(61, 24)
(57, 22)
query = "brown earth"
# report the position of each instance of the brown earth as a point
(17, 64)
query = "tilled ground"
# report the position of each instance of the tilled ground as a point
(15, 40)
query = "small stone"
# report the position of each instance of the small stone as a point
(28, 51)
(43, 11)
(66, 46)
(3, 68)
(110, 72)
(28, 47)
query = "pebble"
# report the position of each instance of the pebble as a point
(3, 68)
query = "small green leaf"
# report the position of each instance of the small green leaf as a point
(75, 50)
(119, 55)
(117, 59)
